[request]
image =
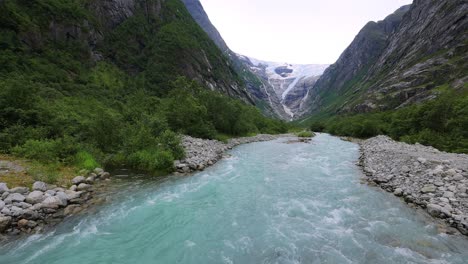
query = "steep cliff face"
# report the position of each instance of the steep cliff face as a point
(289, 82)
(397, 61)
(261, 92)
(353, 63)
(155, 39)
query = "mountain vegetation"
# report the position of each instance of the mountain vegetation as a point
(88, 83)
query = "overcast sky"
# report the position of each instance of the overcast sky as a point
(295, 31)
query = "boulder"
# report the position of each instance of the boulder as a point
(14, 198)
(72, 194)
(90, 180)
(98, 171)
(2, 204)
(3, 187)
(429, 189)
(105, 175)
(458, 177)
(434, 210)
(63, 198)
(78, 179)
(4, 223)
(23, 223)
(16, 211)
(39, 186)
(52, 202)
(24, 205)
(73, 188)
(83, 187)
(20, 190)
(35, 197)
(398, 192)
(50, 192)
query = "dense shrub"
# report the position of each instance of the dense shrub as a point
(442, 123)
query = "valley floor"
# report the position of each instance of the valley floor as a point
(423, 176)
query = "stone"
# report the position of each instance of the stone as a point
(72, 209)
(98, 171)
(16, 211)
(73, 188)
(434, 210)
(3, 187)
(39, 186)
(63, 198)
(51, 202)
(4, 223)
(90, 180)
(398, 192)
(458, 177)
(438, 183)
(451, 172)
(105, 175)
(422, 160)
(72, 194)
(24, 205)
(78, 179)
(5, 195)
(83, 187)
(405, 169)
(444, 200)
(20, 190)
(23, 223)
(449, 195)
(14, 197)
(51, 192)
(429, 189)
(35, 197)
(2, 204)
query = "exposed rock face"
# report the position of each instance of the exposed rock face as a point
(422, 176)
(289, 82)
(258, 90)
(397, 61)
(356, 59)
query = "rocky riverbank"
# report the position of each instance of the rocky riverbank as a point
(201, 153)
(423, 176)
(25, 210)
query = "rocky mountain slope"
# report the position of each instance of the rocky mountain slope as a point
(155, 39)
(290, 82)
(398, 61)
(259, 89)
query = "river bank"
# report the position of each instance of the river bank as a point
(201, 153)
(25, 210)
(423, 176)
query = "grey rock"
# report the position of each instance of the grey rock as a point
(16, 211)
(458, 177)
(2, 204)
(35, 197)
(63, 198)
(52, 202)
(5, 222)
(14, 197)
(39, 186)
(5, 195)
(449, 195)
(20, 190)
(72, 194)
(83, 187)
(90, 180)
(3, 187)
(24, 205)
(398, 192)
(434, 210)
(105, 175)
(98, 171)
(429, 189)
(51, 192)
(73, 188)
(78, 179)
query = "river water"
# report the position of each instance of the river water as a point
(270, 202)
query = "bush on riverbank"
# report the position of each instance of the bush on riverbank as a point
(441, 123)
(306, 134)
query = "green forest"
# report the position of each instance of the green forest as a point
(60, 106)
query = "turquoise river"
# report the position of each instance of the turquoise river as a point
(269, 202)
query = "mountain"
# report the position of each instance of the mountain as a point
(88, 83)
(261, 92)
(290, 82)
(396, 62)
